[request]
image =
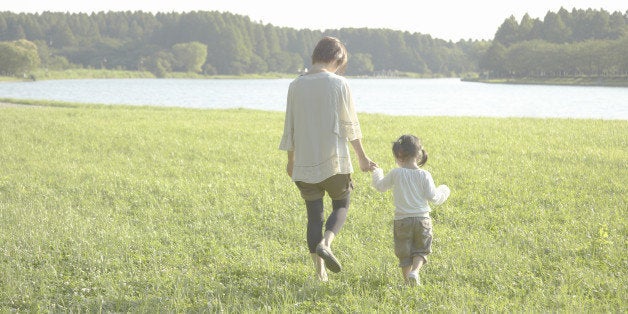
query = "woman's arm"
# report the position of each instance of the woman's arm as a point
(366, 164)
(290, 164)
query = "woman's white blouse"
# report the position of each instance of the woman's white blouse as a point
(320, 121)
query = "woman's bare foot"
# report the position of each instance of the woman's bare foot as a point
(319, 267)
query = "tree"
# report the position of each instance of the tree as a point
(84, 29)
(160, 63)
(18, 57)
(274, 60)
(508, 33)
(617, 26)
(621, 51)
(4, 28)
(526, 27)
(61, 35)
(15, 30)
(189, 57)
(360, 64)
(236, 45)
(530, 58)
(494, 61)
(554, 29)
(32, 30)
(258, 65)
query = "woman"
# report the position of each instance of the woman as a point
(320, 123)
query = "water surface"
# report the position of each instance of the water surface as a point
(416, 97)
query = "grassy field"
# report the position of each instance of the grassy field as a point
(140, 209)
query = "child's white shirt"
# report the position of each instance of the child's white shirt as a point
(412, 190)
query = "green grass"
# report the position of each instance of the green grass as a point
(118, 209)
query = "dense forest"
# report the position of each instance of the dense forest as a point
(220, 43)
(580, 42)
(564, 44)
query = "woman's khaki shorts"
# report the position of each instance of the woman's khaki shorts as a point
(338, 187)
(413, 236)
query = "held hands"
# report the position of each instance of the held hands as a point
(373, 166)
(366, 164)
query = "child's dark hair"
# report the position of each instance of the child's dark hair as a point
(409, 146)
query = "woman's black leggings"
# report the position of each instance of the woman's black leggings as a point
(315, 220)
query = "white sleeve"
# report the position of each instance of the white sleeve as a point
(436, 195)
(380, 182)
(347, 121)
(441, 195)
(287, 140)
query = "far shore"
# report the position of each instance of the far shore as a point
(122, 74)
(567, 81)
(70, 74)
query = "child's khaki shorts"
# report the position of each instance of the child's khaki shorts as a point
(413, 236)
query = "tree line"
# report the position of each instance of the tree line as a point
(564, 44)
(580, 42)
(222, 43)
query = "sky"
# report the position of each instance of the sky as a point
(444, 19)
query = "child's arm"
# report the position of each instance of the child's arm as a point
(436, 195)
(381, 182)
(441, 195)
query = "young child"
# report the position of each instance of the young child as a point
(412, 188)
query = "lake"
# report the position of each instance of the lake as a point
(417, 97)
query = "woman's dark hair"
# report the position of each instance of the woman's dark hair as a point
(330, 49)
(409, 146)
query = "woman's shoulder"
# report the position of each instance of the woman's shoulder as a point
(319, 76)
(328, 76)
(330, 79)
(338, 78)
